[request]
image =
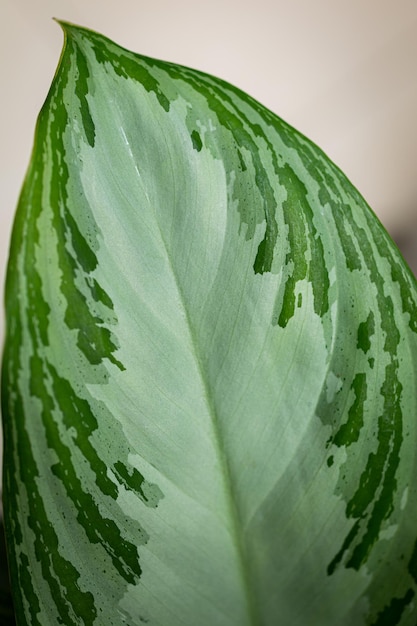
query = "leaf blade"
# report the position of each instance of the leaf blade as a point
(182, 254)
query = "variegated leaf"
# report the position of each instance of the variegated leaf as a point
(209, 382)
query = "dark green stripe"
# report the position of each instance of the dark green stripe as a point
(365, 331)
(81, 90)
(349, 432)
(393, 612)
(134, 481)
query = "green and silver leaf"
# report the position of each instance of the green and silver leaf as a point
(209, 380)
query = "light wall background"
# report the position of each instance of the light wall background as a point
(343, 73)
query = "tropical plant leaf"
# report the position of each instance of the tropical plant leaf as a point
(209, 382)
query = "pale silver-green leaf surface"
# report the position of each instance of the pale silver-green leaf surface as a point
(209, 384)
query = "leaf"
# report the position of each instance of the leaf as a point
(209, 381)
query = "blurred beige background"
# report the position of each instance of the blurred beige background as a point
(343, 73)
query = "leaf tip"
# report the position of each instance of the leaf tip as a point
(68, 27)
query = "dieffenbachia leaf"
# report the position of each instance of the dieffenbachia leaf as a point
(209, 383)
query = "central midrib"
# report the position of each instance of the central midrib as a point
(243, 560)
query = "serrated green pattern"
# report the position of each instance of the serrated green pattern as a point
(210, 372)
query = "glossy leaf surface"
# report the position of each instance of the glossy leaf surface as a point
(209, 382)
